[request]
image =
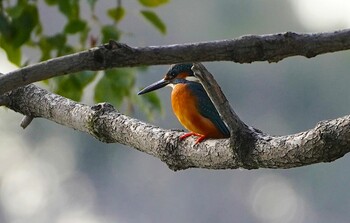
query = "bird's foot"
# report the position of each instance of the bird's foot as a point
(200, 139)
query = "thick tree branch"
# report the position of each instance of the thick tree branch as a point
(245, 49)
(328, 141)
(108, 125)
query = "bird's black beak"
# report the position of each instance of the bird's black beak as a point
(154, 86)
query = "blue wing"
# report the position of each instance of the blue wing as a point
(207, 108)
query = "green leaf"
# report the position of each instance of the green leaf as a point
(69, 8)
(153, 3)
(84, 36)
(72, 86)
(154, 20)
(115, 85)
(57, 41)
(150, 103)
(110, 32)
(16, 10)
(51, 2)
(38, 29)
(17, 31)
(116, 14)
(45, 48)
(106, 91)
(86, 77)
(92, 4)
(13, 54)
(66, 49)
(6, 30)
(74, 26)
(47, 44)
(24, 24)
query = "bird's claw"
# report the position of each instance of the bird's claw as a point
(200, 139)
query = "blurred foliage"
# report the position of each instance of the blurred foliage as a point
(21, 26)
(154, 20)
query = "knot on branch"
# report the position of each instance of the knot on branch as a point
(114, 45)
(103, 107)
(107, 54)
(170, 152)
(290, 35)
(243, 143)
(98, 128)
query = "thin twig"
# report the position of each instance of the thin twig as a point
(26, 121)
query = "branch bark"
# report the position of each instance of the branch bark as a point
(328, 141)
(247, 148)
(245, 49)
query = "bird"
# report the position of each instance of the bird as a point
(191, 103)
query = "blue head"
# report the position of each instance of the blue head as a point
(178, 73)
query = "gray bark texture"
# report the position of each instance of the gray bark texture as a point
(247, 148)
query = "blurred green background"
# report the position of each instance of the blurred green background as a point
(50, 173)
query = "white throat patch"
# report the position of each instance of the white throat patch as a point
(171, 85)
(192, 78)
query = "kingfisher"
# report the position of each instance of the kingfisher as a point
(191, 104)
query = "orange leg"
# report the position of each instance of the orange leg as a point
(200, 139)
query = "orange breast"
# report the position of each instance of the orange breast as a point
(184, 106)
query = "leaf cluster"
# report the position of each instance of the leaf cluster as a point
(21, 26)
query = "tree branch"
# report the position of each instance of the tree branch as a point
(244, 49)
(328, 141)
